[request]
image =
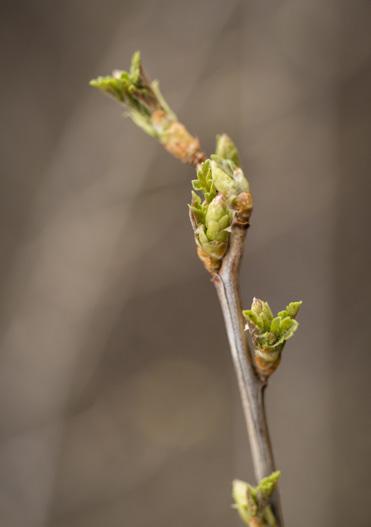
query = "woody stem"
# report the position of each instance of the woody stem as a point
(251, 387)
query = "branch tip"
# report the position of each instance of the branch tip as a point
(148, 109)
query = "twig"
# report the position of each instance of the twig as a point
(220, 222)
(251, 387)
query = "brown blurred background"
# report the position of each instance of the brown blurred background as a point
(118, 404)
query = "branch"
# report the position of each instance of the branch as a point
(251, 387)
(220, 219)
(148, 109)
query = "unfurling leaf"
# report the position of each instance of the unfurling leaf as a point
(146, 106)
(223, 197)
(267, 486)
(252, 503)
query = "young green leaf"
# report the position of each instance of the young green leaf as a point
(269, 333)
(252, 503)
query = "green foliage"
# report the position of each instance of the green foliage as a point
(221, 172)
(217, 176)
(128, 87)
(270, 333)
(219, 183)
(135, 68)
(204, 182)
(267, 486)
(291, 310)
(228, 178)
(253, 502)
(140, 97)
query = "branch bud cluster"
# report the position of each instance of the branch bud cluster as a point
(225, 199)
(148, 109)
(269, 333)
(252, 503)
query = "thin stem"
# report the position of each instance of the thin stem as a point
(251, 387)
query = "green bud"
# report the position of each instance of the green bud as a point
(226, 149)
(257, 306)
(291, 310)
(267, 486)
(253, 502)
(225, 197)
(204, 182)
(269, 334)
(288, 329)
(211, 218)
(146, 106)
(244, 500)
(142, 99)
(112, 85)
(222, 180)
(252, 318)
(263, 313)
(218, 219)
(211, 223)
(276, 326)
(136, 68)
(211, 252)
(228, 178)
(241, 182)
(131, 88)
(212, 236)
(230, 181)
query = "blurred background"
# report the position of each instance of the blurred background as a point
(118, 401)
